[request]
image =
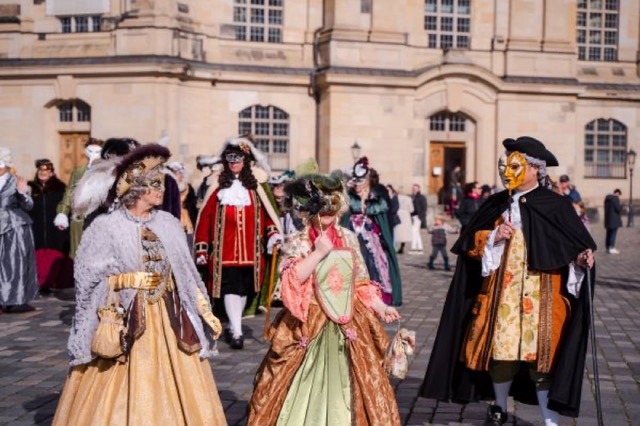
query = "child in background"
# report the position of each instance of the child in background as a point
(438, 233)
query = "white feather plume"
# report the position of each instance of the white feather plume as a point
(93, 188)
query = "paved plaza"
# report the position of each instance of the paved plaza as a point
(33, 359)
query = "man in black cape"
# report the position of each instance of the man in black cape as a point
(555, 242)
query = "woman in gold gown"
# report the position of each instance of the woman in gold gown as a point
(138, 256)
(325, 364)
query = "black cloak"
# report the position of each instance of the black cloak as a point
(554, 236)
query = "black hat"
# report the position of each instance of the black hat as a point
(531, 147)
(118, 147)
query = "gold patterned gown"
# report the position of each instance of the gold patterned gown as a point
(162, 381)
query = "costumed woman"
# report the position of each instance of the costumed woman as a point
(368, 217)
(236, 225)
(92, 150)
(18, 280)
(55, 270)
(134, 263)
(189, 209)
(325, 364)
(515, 320)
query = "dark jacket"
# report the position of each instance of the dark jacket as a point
(468, 206)
(45, 200)
(420, 208)
(612, 210)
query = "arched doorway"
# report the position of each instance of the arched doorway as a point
(451, 136)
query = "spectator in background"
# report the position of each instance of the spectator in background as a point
(419, 218)
(582, 213)
(568, 189)
(92, 149)
(18, 281)
(189, 211)
(402, 232)
(51, 243)
(485, 193)
(612, 219)
(469, 203)
(439, 233)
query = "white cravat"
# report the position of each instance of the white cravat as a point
(493, 252)
(236, 195)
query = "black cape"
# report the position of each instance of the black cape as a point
(554, 236)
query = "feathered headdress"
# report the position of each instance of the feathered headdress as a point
(92, 190)
(285, 177)
(133, 167)
(241, 143)
(315, 193)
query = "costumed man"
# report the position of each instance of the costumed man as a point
(515, 319)
(367, 216)
(235, 226)
(92, 149)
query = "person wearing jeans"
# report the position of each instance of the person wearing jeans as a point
(612, 220)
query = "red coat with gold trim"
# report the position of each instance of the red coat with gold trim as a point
(233, 236)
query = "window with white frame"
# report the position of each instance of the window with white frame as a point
(597, 30)
(258, 20)
(448, 23)
(80, 24)
(74, 111)
(269, 128)
(605, 149)
(447, 122)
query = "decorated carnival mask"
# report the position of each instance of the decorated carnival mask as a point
(155, 180)
(515, 170)
(92, 152)
(234, 157)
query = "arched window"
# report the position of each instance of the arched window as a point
(447, 122)
(74, 111)
(269, 127)
(605, 148)
(448, 23)
(597, 30)
(258, 20)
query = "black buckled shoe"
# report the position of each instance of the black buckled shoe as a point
(237, 343)
(495, 416)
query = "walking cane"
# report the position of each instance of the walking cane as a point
(594, 349)
(272, 274)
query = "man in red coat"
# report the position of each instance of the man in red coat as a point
(236, 225)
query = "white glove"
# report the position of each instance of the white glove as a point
(274, 240)
(61, 221)
(201, 260)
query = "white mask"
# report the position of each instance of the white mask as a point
(92, 152)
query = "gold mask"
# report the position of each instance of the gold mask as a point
(515, 170)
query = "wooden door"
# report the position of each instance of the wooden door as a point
(71, 153)
(436, 167)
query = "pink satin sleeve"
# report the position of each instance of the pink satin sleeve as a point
(368, 292)
(296, 297)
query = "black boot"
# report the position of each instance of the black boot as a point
(401, 249)
(446, 264)
(495, 416)
(430, 264)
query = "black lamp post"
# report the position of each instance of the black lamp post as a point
(631, 161)
(355, 151)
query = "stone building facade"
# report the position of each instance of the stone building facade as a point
(420, 85)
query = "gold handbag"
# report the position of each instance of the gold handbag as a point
(396, 360)
(107, 340)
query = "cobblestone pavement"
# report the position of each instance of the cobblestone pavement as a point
(33, 351)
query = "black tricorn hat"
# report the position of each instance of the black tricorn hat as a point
(531, 147)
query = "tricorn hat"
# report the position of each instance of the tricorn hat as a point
(531, 147)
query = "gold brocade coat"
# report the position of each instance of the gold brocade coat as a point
(551, 302)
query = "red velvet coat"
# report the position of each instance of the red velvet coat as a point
(233, 236)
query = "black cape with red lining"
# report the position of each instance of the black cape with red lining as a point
(554, 236)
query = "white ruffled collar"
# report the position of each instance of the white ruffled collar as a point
(236, 195)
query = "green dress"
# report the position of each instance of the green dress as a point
(64, 207)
